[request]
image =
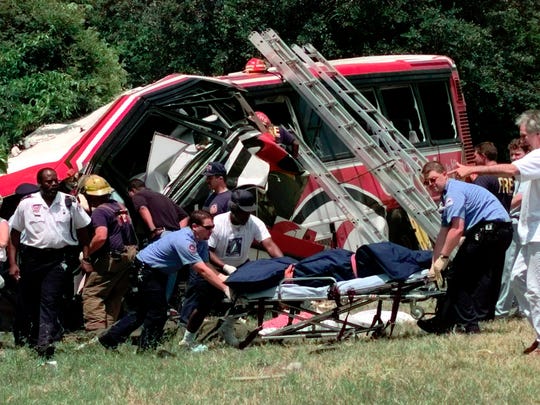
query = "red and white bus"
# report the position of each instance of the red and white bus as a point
(168, 131)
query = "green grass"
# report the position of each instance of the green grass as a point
(410, 367)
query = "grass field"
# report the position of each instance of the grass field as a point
(410, 367)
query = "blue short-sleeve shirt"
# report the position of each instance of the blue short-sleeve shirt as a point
(174, 250)
(473, 203)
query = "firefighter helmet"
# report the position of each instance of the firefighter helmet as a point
(97, 186)
(263, 118)
(255, 65)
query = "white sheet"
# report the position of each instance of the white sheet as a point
(295, 292)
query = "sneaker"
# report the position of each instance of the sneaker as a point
(192, 346)
(50, 364)
(199, 348)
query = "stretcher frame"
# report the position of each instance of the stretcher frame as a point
(341, 327)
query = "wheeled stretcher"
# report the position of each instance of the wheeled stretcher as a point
(292, 302)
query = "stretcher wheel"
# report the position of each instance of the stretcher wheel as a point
(379, 332)
(417, 312)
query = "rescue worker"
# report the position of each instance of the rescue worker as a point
(52, 222)
(111, 252)
(158, 212)
(472, 212)
(280, 134)
(187, 246)
(229, 245)
(216, 178)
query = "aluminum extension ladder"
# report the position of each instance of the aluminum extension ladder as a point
(387, 154)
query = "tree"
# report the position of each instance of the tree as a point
(52, 67)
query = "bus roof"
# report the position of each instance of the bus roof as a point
(353, 66)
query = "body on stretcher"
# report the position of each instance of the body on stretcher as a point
(292, 299)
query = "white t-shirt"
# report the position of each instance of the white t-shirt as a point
(529, 220)
(49, 227)
(232, 242)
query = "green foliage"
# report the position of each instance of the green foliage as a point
(52, 67)
(55, 46)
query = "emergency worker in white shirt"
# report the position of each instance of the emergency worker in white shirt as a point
(229, 245)
(53, 224)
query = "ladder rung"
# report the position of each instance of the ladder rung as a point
(374, 141)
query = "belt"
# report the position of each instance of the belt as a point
(117, 253)
(490, 226)
(141, 265)
(44, 250)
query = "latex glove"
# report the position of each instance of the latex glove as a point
(437, 267)
(228, 293)
(227, 268)
(223, 277)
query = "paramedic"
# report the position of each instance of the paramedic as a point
(111, 252)
(473, 212)
(53, 224)
(187, 246)
(229, 245)
(525, 276)
(216, 178)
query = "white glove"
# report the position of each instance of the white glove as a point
(227, 268)
(227, 292)
(437, 267)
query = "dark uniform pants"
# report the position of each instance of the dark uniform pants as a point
(42, 282)
(480, 258)
(151, 312)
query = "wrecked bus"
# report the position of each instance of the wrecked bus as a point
(168, 131)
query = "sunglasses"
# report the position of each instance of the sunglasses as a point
(208, 227)
(430, 181)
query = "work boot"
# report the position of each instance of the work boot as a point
(433, 325)
(45, 352)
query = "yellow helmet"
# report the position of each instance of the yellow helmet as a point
(97, 186)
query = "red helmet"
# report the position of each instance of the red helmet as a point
(255, 65)
(263, 118)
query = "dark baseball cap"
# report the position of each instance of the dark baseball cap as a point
(215, 169)
(26, 188)
(244, 200)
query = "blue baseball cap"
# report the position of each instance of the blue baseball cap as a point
(215, 169)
